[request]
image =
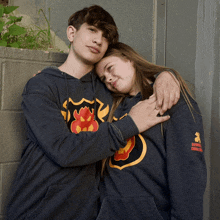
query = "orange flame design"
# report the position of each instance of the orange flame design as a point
(123, 153)
(84, 121)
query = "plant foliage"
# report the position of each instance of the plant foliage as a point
(13, 34)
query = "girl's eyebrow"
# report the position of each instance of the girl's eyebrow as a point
(106, 66)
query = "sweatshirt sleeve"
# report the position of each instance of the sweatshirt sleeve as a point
(186, 169)
(47, 128)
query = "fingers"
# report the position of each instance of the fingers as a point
(163, 118)
(177, 97)
(166, 100)
(171, 100)
(159, 98)
(162, 102)
(145, 114)
(167, 91)
(152, 99)
(155, 119)
(152, 96)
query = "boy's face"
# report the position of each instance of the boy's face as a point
(88, 44)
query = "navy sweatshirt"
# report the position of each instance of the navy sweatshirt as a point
(57, 178)
(161, 173)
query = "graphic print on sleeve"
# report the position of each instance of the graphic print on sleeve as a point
(81, 115)
(197, 146)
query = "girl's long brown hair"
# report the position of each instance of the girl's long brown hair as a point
(145, 71)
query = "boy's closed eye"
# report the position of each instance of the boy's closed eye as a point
(92, 29)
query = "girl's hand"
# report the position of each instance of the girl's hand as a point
(145, 115)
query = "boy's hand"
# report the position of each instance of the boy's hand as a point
(145, 114)
(167, 91)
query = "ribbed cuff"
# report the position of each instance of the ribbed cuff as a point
(126, 127)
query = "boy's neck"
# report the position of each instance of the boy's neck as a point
(75, 67)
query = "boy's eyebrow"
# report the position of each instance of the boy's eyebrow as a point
(90, 25)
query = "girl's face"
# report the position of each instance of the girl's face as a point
(118, 75)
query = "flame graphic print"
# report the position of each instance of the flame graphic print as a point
(84, 121)
(123, 153)
(132, 154)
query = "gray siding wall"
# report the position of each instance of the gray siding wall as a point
(16, 67)
(183, 34)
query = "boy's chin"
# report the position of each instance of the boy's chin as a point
(92, 61)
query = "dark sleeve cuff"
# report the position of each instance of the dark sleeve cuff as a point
(126, 127)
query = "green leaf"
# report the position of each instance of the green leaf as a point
(15, 19)
(5, 36)
(15, 30)
(10, 22)
(1, 26)
(1, 11)
(15, 44)
(9, 9)
(3, 43)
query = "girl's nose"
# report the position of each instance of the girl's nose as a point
(108, 78)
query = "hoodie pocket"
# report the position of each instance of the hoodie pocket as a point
(46, 202)
(129, 208)
(66, 202)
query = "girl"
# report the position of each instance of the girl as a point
(161, 173)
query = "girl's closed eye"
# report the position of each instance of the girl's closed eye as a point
(102, 78)
(109, 68)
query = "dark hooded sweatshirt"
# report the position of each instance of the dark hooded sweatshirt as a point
(57, 178)
(161, 173)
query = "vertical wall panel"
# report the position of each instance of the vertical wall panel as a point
(207, 94)
(181, 37)
(215, 120)
(161, 31)
(134, 19)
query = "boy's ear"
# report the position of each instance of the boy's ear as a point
(70, 33)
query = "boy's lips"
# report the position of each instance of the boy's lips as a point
(94, 49)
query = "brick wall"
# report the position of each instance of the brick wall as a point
(17, 66)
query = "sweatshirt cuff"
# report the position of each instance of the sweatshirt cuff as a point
(126, 127)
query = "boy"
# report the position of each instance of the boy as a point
(57, 177)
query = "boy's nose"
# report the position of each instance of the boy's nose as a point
(98, 38)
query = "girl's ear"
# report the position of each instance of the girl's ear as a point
(70, 33)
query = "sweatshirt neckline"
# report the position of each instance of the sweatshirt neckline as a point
(88, 77)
